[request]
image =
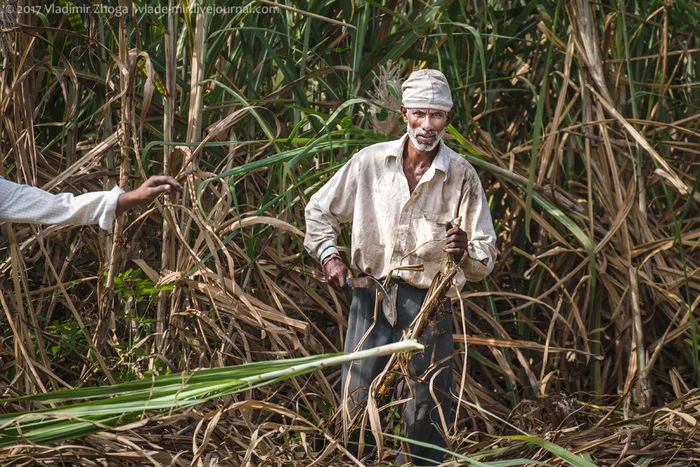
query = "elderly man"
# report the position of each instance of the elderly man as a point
(399, 197)
(24, 203)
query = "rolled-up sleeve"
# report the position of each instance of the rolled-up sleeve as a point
(331, 206)
(24, 203)
(477, 223)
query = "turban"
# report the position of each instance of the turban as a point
(427, 89)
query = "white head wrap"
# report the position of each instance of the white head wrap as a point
(427, 89)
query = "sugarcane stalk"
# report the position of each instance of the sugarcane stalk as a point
(434, 299)
(105, 407)
(436, 293)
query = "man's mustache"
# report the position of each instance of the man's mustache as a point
(427, 133)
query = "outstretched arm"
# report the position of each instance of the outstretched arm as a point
(24, 203)
(147, 192)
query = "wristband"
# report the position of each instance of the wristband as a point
(329, 257)
(324, 250)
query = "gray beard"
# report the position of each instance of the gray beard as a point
(413, 135)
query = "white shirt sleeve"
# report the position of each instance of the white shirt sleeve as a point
(330, 206)
(24, 203)
(477, 222)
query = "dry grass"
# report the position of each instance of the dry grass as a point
(584, 335)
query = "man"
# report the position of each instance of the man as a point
(399, 197)
(24, 203)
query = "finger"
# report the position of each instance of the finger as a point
(332, 282)
(171, 183)
(457, 244)
(160, 180)
(457, 238)
(154, 191)
(174, 184)
(461, 239)
(457, 234)
(454, 249)
(328, 278)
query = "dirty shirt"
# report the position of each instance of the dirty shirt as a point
(392, 227)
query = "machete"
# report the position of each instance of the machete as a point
(369, 282)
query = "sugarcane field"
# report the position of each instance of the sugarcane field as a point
(350, 233)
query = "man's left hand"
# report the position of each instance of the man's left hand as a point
(457, 242)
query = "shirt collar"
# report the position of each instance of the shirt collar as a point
(440, 162)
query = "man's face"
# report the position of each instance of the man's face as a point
(425, 127)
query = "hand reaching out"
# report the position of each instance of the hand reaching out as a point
(147, 192)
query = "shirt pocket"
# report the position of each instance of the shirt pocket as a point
(430, 235)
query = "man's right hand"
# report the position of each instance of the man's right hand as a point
(147, 192)
(336, 271)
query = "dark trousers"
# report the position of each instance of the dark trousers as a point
(420, 418)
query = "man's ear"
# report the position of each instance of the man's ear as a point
(450, 116)
(403, 113)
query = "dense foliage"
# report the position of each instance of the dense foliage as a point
(581, 118)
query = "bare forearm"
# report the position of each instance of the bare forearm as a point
(125, 202)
